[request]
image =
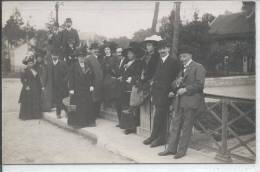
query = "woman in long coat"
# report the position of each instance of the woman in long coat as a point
(81, 83)
(131, 77)
(30, 97)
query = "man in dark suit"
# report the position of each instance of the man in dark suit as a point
(69, 41)
(97, 94)
(188, 103)
(167, 71)
(59, 81)
(54, 38)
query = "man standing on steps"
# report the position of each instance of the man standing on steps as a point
(167, 71)
(95, 64)
(189, 102)
(69, 41)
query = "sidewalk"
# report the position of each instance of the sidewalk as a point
(107, 136)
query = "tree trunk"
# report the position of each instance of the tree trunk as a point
(155, 16)
(176, 30)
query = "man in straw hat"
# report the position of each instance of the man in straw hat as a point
(167, 71)
(189, 102)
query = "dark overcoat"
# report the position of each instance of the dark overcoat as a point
(30, 99)
(165, 73)
(80, 81)
(150, 66)
(109, 66)
(93, 62)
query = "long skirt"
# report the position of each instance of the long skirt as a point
(84, 115)
(30, 107)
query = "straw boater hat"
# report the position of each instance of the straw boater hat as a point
(154, 39)
(68, 20)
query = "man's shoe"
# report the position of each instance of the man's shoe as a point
(117, 125)
(179, 155)
(156, 143)
(129, 131)
(148, 141)
(165, 153)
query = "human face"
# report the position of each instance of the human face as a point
(39, 59)
(185, 57)
(130, 55)
(81, 58)
(164, 51)
(119, 52)
(68, 24)
(30, 64)
(95, 52)
(149, 47)
(107, 51)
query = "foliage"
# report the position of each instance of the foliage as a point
(142, 34)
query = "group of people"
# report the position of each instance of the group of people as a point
(91, 79)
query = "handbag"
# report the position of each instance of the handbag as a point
(127, 120)
(137, 96)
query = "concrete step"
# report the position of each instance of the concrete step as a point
(107, 136)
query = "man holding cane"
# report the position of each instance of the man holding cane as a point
(189, 101)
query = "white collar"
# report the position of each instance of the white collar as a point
(55, 62)
(188, 63)
(164, 58)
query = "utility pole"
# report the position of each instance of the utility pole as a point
(57, 5)
(155, 16)
(176, 29)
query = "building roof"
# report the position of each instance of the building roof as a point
(236, 23)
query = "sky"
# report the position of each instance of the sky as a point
(111, 18)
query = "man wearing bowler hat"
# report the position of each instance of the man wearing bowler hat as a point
(189, 102)
(95, 64)
(69, 41)
(167, 71)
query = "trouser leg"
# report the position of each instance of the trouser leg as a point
(159, 122)
(118, 105)
(176, 124)
(188, 122)
(96, 109)
(58, 105)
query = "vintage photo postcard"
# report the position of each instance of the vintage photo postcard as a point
(129, 82)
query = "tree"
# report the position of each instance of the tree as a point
(140, 35)
(122, 42)
(207, 18)
(13, 29)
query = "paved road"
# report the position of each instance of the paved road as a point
(38, 142)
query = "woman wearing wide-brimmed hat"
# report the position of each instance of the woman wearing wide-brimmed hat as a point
(81, 86)
(131, 78)
(30, 97)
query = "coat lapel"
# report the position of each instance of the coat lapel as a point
(186, 73)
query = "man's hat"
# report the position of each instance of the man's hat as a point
(185, 49)
(154, 39)
(94, 46)
(163, 44)
(55, 52)
(68, 20)
(134, 47)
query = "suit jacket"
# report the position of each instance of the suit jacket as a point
(165, 73)
(194, 78)
(98, 77)
(60, 78)
(69, 35)
(120, 67)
